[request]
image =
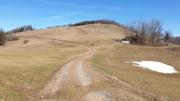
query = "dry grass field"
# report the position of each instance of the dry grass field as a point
(24, 70)
(28, 64)
(111, 61)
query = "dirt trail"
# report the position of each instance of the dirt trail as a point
(71, 72)
(74, 75)
(98, 96)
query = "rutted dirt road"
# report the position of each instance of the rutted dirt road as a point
(73, 72)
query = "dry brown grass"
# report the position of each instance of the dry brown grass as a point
(112, 60)
(95, 33)
(24, 71)
(29, 62)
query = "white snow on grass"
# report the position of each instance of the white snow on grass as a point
(156, 66)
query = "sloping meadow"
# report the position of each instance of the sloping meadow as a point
(25, 70)
(112, 61)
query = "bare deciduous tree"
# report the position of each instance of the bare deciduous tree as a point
(155, 30)
(167, 36)
(147, 31)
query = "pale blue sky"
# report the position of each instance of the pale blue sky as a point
(43, 13)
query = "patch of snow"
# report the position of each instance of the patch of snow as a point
(125, 42)
(156, 66)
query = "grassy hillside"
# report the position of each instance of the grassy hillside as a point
(28, 63)
(112, 60)
(24, 70)
(84, 35)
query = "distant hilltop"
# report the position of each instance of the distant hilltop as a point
(176, 40)
(87, 22)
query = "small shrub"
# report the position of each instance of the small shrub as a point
(92, 44)
(26, 41)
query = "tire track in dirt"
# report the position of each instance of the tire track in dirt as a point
(98, 96)
(71, 72)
